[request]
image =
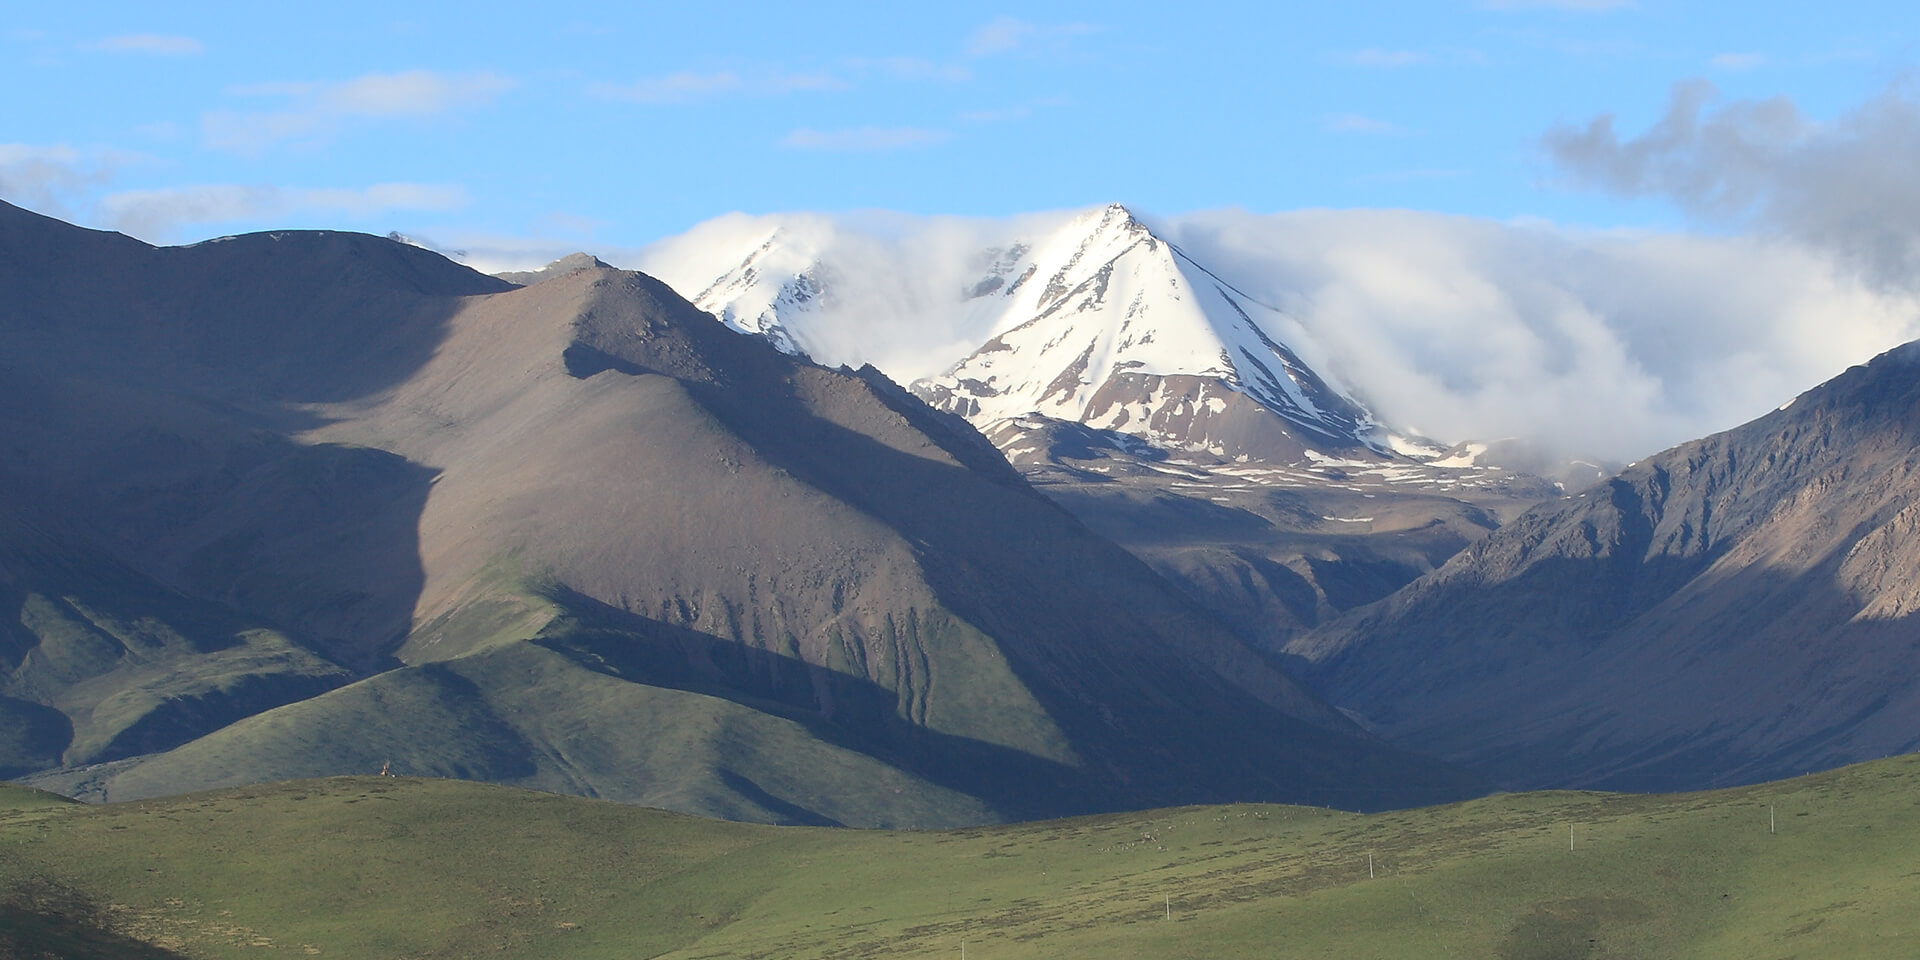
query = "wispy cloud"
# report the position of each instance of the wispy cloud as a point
(1004, 34)
(687, 86)
(691, 86)
(1374, 57)
(1357, 123)
(864, 139)
(1738, 61)
(916, 69)
(160, 214)
(999, 35)
(1018, 111)
(53, 178)
(164, 44)
(1410, 176)
(1578, 6)
(1849, 185)
(1383, 59)
(413, 93)
(320, 109)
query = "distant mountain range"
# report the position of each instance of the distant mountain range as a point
(304, 503)
(307, 503)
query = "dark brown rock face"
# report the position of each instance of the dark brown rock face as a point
(1733, 609)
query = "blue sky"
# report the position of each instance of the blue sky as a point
(613, 124)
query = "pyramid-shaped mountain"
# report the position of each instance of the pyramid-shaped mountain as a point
(1106, 325)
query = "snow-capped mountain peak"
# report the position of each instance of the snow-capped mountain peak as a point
(1091, 319)
(1106, 324)
(778, 283)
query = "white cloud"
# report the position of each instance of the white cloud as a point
(321, 109)
(1738, 61)
(999, 35)
(1409, 176)
(164, 44)
(1615, 344)
(53, 178)
(255, 132)
(159, 215)
(1849, 185)
(672, 88)
(1004, 34)
(1356, 123)
(864, 138)
(1385, 59)
(1604, 344)
(896, 285)
(413, 93)
(551, 237)
(1381, 59)
(688, 86)
(1579, 6)
(273, 89)
(34, 176)
(1018, 111)
(914, 69)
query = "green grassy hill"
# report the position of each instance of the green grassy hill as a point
(376, 867)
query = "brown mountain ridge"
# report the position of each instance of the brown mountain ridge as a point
(576, 536)
(1735, 609)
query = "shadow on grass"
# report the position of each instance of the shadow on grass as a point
(844, 710)
(25, 935)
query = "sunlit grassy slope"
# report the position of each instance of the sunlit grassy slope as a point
(371, 867)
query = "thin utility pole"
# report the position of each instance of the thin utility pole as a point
(1369, 866)
(1769, 818)
(1169, 899)
(1569, 836)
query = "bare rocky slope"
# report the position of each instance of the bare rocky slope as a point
(1163, 406)
(1734, 609)
(576, 536)
(1273, 549)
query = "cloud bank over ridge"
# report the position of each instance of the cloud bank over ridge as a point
(1613, 344)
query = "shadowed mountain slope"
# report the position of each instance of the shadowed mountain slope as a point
(1161, 405)
(580, 536)
(1736, 608)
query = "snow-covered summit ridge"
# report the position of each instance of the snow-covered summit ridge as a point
(781, 283)
(1095, 319)
(1087, 318)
